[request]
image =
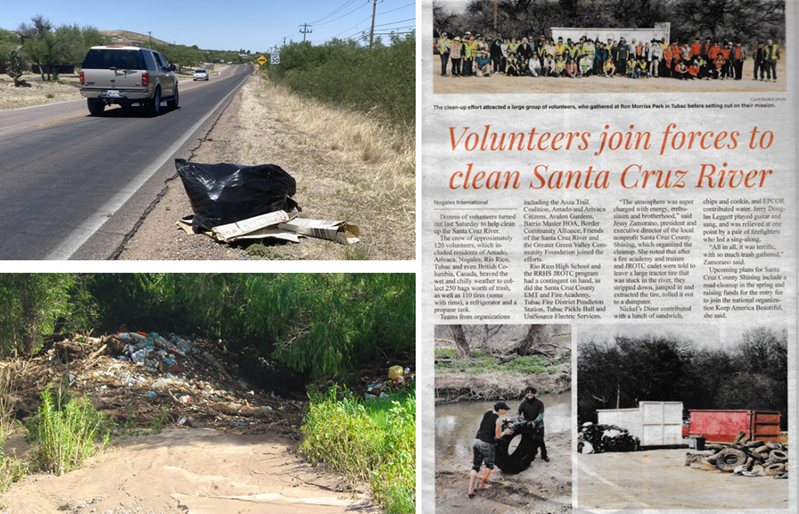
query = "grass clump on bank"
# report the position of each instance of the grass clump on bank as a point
(374, 442)
(66, 432)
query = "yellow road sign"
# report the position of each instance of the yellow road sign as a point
(262, 60)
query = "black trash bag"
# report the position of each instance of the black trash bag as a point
(225, 193)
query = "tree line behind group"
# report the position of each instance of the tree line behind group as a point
(748, 21)
(289, 325)
(750, 373)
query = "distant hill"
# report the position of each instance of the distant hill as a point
(126, 36)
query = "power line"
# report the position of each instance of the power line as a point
(343, 15)
(398, 8)
(395, 22)
(337, 10)
(347, 30)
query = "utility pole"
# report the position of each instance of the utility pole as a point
(151, 38)
(305, 30)
(372, 32)
(284, 40)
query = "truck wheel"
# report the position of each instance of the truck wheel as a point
(155, 103)
(96, 107)
(173, 103)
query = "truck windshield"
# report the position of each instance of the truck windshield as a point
(101, 59)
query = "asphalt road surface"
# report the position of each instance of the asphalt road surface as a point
(72, 185)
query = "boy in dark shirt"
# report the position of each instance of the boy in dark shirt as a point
(532, 409)
(484, 444)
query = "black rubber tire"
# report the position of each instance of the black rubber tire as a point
(715, 446)
(740, 435)
(154, 107)
(763, 450)
(777, 457)
(173, 103)
(712, 458)
(755, 444)
(96, 107)
(730, 459)
(520, 459)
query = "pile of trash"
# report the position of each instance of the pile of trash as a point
(595, 438)
(137, 377)
(743, 457)
(398, 377)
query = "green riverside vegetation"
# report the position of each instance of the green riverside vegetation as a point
(287, 329)
(372, 441)
(482, 363)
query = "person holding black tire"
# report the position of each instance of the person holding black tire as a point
(532, 409)
(484, 444)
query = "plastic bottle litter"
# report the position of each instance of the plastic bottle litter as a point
(369, 396)
(407, 371)
(139, 356)
(239, 424)
(182, 421)
(161, 382)
(400, 379)
(185, 399)
(151, 394)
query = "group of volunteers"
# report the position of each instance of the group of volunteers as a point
(478, 56)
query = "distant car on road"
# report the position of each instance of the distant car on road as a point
(127, 75)
(200, 74)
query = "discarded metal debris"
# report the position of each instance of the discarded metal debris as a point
(595, 438)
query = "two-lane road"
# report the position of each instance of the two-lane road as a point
(72, 186)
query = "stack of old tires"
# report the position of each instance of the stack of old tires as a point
(606, 438)
(743, 457)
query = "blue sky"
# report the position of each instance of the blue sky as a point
(221, 25)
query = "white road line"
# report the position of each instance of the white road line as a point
(88, 228)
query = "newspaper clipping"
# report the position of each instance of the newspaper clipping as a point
(609, 255)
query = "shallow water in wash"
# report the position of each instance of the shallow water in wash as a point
(457, 424)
